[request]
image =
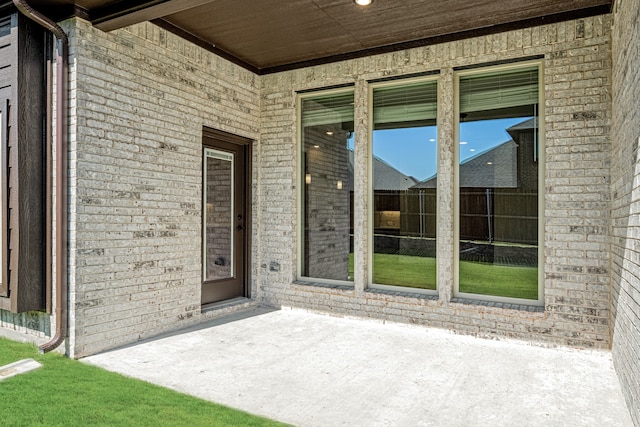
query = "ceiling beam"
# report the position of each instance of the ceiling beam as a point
(129, 12)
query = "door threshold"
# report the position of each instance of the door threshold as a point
(223, 304)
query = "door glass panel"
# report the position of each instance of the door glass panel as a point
(218, 233)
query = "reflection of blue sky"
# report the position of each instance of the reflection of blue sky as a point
(413, 151)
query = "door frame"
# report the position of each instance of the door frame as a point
(247, 145)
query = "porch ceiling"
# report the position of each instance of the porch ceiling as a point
(273, 35)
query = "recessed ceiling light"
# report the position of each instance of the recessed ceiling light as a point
(463, 142)
(329, 132)
(489, 163)
(472, 149)
(432, 140)
(363, 2)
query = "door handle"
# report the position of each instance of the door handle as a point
(239, 228)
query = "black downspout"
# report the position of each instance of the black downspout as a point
(61, 170)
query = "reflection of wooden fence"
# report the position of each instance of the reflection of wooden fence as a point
(516, 214)
(504, 215)
(407, 212)
(475, 223)
(418, 214)
(486, 214)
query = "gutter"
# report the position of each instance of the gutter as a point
(62, 66)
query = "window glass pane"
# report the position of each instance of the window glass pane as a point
(218, 214)
(498, 174)
(327, 183)
(404, 185)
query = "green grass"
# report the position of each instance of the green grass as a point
(475, 278)
(65, 392)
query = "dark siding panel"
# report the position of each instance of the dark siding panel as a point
(28, 169)
(8, 59)
(22, 95)
(4, 167)
(12, 214)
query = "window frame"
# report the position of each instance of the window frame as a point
(541, 144)
(299, 178)
(370, 181)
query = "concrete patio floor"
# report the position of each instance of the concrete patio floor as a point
(313, 370)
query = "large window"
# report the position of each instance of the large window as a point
(499, 169)
(496, 217)
(403, 178)
(327, 185)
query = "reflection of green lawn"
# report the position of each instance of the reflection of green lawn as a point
(475, 278)
(402, 270)
(501, 280)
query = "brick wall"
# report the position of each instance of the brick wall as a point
(140, 99)
(577, 67)
(625, 188)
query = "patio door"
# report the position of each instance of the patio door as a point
(225, 217)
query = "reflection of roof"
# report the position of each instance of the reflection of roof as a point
(385, 176)
(526, 126)
(532, 123)
(494, 168)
